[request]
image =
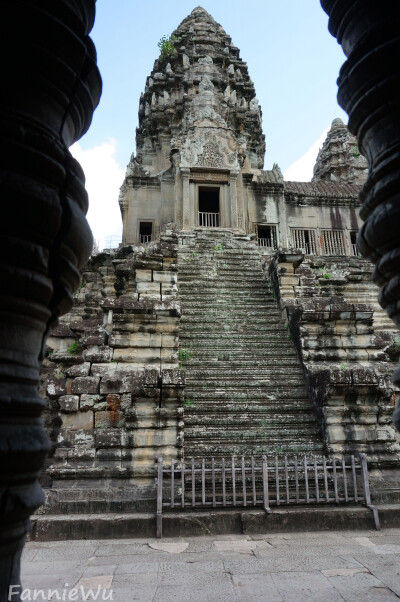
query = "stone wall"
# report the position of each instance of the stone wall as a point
(347, 347)
(112, 378)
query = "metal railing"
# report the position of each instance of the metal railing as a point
(266, 242)
(208, 220)
(267, 481)
(145, 238)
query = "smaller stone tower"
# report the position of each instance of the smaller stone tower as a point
(339, 159)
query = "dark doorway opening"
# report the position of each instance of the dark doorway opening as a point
(353, 239)
(145, 231)
(209, 207)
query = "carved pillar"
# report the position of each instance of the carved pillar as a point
(368, 91)
(233, 198)
(185, 171)
(51, 87)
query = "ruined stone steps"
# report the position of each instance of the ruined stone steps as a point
(257, 397)
(258, 419)
(245, 389)
(259, 447)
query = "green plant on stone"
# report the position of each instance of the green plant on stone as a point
(184, 355)
(188, 403)
(355, 152)
(166, 45)
(218, 247)
(72, 349)
(343, 367)
(59, 374)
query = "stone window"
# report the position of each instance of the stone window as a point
(353, 242)
(306, 240)
(209, 211)
(266, 236)
(145, 231)
(333, 242)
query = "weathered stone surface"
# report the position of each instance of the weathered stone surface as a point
(78, 420)
(85, 385)
(78, 370)
(69, 403)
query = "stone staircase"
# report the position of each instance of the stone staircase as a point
(358, 287)
(245, 391)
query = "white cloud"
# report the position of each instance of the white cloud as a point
(301, 170)
(103, 179)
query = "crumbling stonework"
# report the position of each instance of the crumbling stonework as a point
(112, 378)
(348, 349)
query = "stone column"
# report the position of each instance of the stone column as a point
(51, 87)
(368, 91)
(185, 171)
(233, 198)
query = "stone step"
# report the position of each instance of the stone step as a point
(245, 388)
(257, 421)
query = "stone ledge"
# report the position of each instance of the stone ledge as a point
(120, 526)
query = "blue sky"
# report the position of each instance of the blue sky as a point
(292, 60)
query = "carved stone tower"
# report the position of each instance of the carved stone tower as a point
(199, 131)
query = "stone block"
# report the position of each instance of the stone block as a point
(165, 277)
(113, 402)
(148, 288)
(111, 384)
(108, 438)
(357, 355)
(289, 280)
(143, 275)
(173, 377)
(336, 434)
(168, 307)
(169, 356)
(96, 353)
(85, 384)
(56, 386)
(93, 338)
(328, 355)
(358, 341)
(155, 437)
(143, 339)
(78, 420)
(168, 340)
(77, 438)
(118, 339)
(103, 369)
(167, 324)
(138, 355)
(78, 370)
(88, 402)
(148, 262)
(69, 403)
(108, 419)
(109, 453)
(363, 376)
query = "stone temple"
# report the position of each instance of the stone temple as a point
(235, 318)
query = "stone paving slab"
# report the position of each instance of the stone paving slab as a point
(354, 566)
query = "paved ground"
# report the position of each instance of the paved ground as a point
(359, 566)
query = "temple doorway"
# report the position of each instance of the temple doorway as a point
(209, 210)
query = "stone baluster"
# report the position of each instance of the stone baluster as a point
(185, 171)
(233, 197)
(51, 86)
(368, 91)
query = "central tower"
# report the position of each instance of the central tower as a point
(199, 133)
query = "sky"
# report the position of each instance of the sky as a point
(292, 59)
